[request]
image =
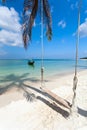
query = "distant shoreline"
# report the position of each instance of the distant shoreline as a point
(84, 58)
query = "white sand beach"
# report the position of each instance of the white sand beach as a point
(18, 113)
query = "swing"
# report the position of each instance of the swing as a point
(55, 97)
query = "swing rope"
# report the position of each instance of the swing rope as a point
(75, 79)
(42, 48)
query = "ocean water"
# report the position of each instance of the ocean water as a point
(13, 71)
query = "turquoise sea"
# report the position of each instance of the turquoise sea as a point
(19, 70)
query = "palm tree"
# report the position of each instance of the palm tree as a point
(30, 9)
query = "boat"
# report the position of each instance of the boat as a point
(31, 62)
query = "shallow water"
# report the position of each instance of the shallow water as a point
(19, 70)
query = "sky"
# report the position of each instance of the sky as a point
(64, 26)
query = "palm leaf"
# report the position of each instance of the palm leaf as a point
(29, 14)
(30, 8)
(47, 15)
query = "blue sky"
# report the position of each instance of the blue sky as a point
(64, 25)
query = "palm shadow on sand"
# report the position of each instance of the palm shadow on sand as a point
(82, 112)
(18, 82)
(14, 80)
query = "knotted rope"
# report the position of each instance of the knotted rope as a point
(75, 79)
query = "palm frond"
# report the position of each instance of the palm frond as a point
(29, 14)
(47, 15)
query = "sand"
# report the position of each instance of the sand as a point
(17, 112)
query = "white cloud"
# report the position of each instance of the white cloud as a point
(10, 38)
(62, 24)
(10, 27)
(83, 29)
(9, 19)
(74, 6)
